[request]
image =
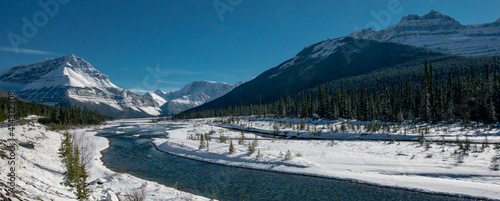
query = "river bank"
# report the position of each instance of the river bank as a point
(39, 171)
(431, 168)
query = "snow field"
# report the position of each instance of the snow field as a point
(400, 164)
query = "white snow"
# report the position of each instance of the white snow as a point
(150, 110)
(289, 63)
(326, 48)
(439, 32)
(156, 97)
(39, 171)
(400, 164)
(73, 72)
(72, 79)
(193, 94)
(274, 75)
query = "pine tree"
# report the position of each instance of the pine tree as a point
(302, 124)
(425, 100)
(251, 149)
(202, 143)
(242, 138)
(65, 152)
(491, 115)
(81, 175)
(343, 126)
(231, 147)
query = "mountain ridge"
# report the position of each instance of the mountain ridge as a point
(191, 95)
(440, 32)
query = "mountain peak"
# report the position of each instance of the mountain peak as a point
(203, 82)
(159, 92)
(431, 18)
(70, 80)
(66, 71)
(70, 56)
(76, 61)
(434, 15)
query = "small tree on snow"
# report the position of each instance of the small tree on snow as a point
(302, 124)
(241, 141)
(343, 126)
(231, 147)
(288, 155)
(202, 143)
(255, 143)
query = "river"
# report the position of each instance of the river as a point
(131, 150)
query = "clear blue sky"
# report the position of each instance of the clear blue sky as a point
(187, 40)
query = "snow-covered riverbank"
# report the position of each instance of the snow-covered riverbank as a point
(434, 168)
(39, 171)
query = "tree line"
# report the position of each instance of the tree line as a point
(58, 115)
(469, 96)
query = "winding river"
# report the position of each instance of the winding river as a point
(131, 150)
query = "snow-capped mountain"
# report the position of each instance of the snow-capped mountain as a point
(442, 33)
(70, 80)
(193, 94)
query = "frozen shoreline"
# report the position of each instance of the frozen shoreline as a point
(315, 176)
(39, 172)
(401, 165)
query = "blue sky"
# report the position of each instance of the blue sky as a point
(165, 44)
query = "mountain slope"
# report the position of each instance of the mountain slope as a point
(193, 94)
(70, 80)
(442, 33)
(396, 49)
(319, 63)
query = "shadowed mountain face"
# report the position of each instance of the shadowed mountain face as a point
(70, 80)
(319, 63)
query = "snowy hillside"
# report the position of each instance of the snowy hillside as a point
(40, 173)
(193, 94)
(442, 33)
(70, 80)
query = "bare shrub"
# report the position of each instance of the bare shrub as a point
(86, 147)
(138, 194)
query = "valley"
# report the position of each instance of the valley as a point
(410, 111)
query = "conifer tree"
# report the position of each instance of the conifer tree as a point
(231, 147)
(242, 138)
(202, 143)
